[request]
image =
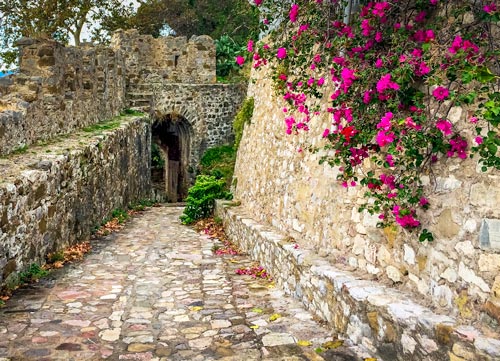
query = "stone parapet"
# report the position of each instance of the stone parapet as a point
(53, 195)
(57, 90)
(384, 320)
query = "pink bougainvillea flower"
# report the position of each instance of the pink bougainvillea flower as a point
(379, 9)
(441, 93)
(473, 120)
(423, 201)
(379, 63)
(478, 140)
(405, 217)
(433, 2)
(326, 132)
(444, 126)
(458, 146)
(385, 122)
(320, 81)
(294, 12)
(422, 69)
(367, 96)
(386, 83)
(383, 138)
(250, 46)
(409, 122)
(420, 17)
(348, 78)
(456, 44)
(240, 60)
(490, 9)
(366, 28)
(257, 2)
(390, 160)
(281, 54)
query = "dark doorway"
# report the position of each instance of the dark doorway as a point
(171, 140)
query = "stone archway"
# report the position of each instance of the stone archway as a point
(173, 136)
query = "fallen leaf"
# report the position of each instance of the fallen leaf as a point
(196, 308)
(274, 317)
(370, 359)
(319, 350)
(332, 344)
(58, 264)
(234, 261)
(304, 343)
(254, 327)
(257, 310)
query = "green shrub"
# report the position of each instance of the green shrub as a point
(226, 50)
(219, 162)
(157, 160)
(201, 198)
(33, 273)
(243, 117)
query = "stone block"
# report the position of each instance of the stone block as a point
(489, 234)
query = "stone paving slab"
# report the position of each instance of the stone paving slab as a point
(155, 291)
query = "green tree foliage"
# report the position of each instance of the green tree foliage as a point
(236, 18)
(58, 19)
(201, 198)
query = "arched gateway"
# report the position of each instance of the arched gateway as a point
(172, 136)
(174, 80)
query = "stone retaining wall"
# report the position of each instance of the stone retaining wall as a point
(53, 195)
(284, 185)
(384, 320)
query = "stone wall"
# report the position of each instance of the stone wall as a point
(283, 185)
(58, 89)
(386, 321)
(168, 59)
(53, 195)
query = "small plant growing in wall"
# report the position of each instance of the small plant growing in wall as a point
(243, 117)
(201, 198)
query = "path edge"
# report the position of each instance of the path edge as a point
(384, 320)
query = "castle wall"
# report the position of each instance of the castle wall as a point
(283, 185)
(55, 194)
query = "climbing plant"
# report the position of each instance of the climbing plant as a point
(389, 75)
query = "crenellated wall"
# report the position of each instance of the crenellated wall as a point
(58, 89)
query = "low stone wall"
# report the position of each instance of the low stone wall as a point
(53, 195)
(384, 320)
(57, 90)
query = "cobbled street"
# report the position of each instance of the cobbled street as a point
(156, 291)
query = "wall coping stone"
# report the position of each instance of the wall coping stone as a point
(352, 299)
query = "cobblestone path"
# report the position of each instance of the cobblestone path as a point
(155, 291)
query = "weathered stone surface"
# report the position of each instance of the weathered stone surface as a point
(91, 175)
(361, 310)
(160, 269)
(281, 183)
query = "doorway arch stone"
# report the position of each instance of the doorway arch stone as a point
(173, 135)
